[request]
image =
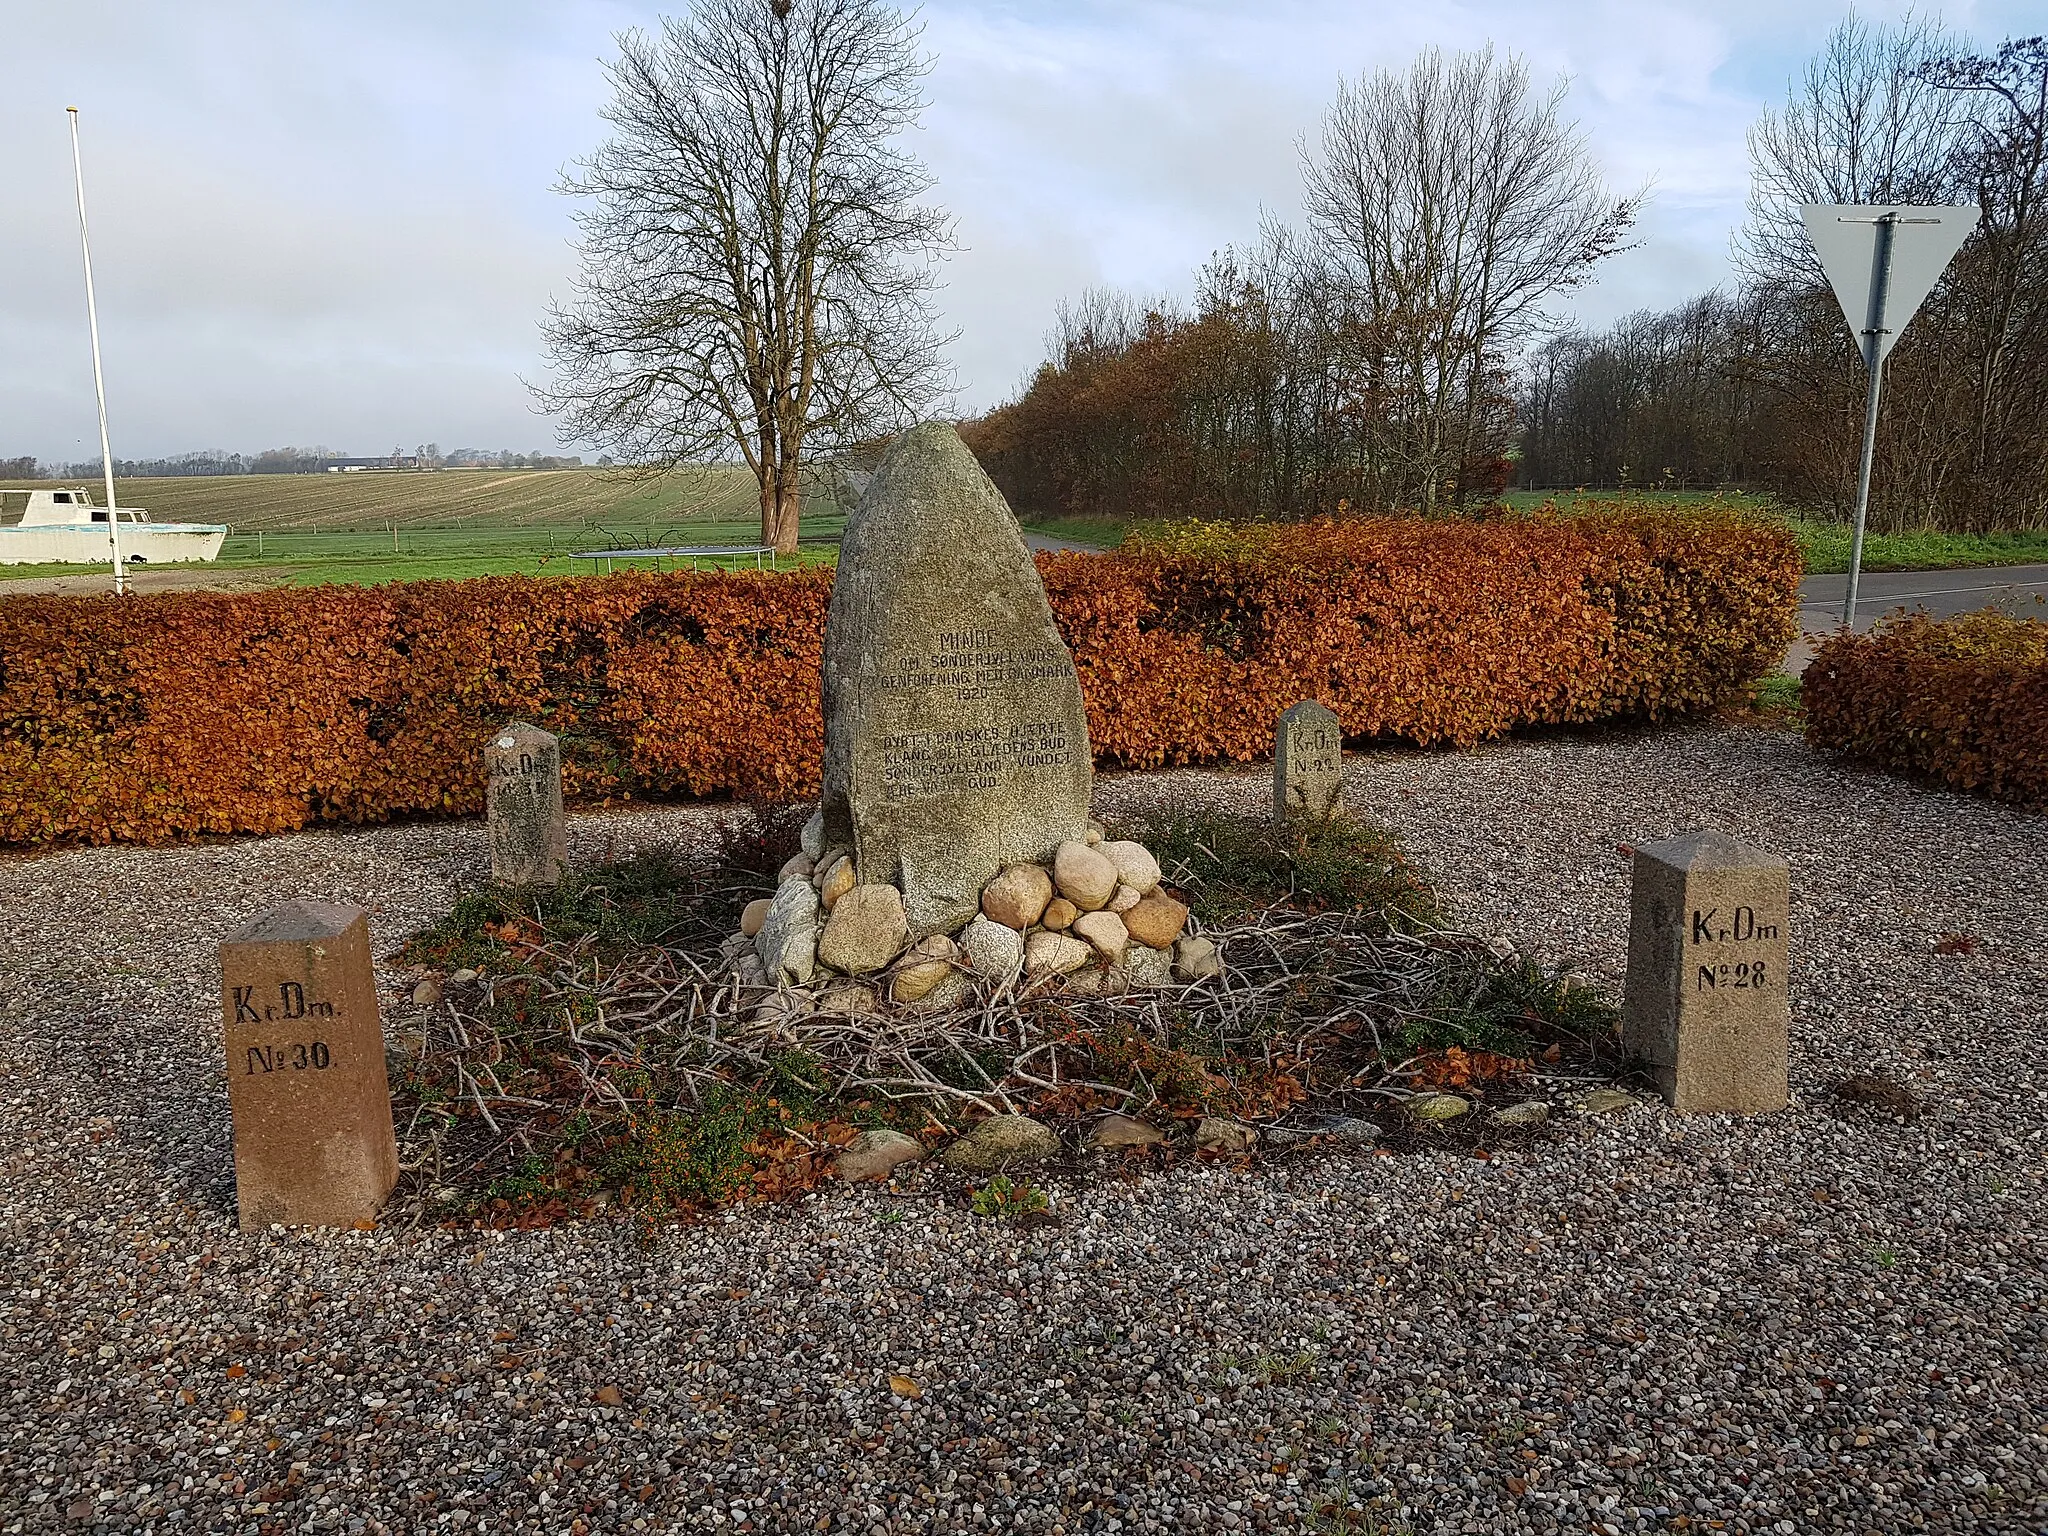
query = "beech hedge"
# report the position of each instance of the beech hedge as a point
(1961, 701)
(177, 715)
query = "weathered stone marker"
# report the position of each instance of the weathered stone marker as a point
(1308, 763)
(523, 789)
(955, 740)
(306, 1084)
(1706, 1003)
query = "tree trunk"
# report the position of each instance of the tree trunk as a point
(780, 520)
(770, 508)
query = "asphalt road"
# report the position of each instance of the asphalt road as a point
(1046, 542)
(1939, 592)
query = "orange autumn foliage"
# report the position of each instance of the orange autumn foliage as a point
(1417, 630)
(171, 715)
(1962, 701)
(195, 713)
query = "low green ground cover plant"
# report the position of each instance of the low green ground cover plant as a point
(583, 1048)
(1232, 865)
(1003, 1198)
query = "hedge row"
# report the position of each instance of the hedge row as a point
(175, 715)
(1190, 644)
(1962, 701)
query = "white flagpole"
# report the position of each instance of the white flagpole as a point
(92, 319)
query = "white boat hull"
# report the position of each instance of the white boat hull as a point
(86, 543)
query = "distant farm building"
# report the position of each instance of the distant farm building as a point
(350, 466)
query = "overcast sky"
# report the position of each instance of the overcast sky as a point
(333, 223)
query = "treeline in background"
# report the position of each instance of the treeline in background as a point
(1398, 350)
(282, 461)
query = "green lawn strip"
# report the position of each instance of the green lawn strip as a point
(422, 554)
(24, 572)
(1098, 531)
(373, 570)
(1826, 546)
(365, 558)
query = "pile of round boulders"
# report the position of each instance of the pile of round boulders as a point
(1092, 921)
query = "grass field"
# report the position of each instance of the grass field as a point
(447, 498)
(1827, 548)
(363, 529)
(304, 530)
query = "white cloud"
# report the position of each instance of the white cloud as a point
(333, 221)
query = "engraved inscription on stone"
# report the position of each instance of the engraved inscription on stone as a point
(1707, 1004)
(1308, 763)
(955, 738)
(305, 1057)
(1736, 929)
(976, 757)
(966, 666)
(523, 794)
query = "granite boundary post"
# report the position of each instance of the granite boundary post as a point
(1706, 1003)
(307, 1086)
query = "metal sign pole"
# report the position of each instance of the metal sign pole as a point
(1881, 262)
(92, 320)
(1873, 361)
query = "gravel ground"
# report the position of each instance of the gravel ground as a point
(1813, 1322)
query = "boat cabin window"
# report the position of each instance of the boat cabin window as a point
(98, 515)
(62, 498)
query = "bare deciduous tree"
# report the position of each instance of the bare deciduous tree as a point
(2006, 274)
(1452, 204)
(1862, 125)
(756, 265)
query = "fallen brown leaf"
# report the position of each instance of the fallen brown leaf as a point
(903, 1386)
(611, 1397)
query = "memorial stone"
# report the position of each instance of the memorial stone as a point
(523, 787)
(955, 740)
(305, 1056)
(1706, 1003)
(1308, 763)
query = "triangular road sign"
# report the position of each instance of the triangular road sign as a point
(1849, 241)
